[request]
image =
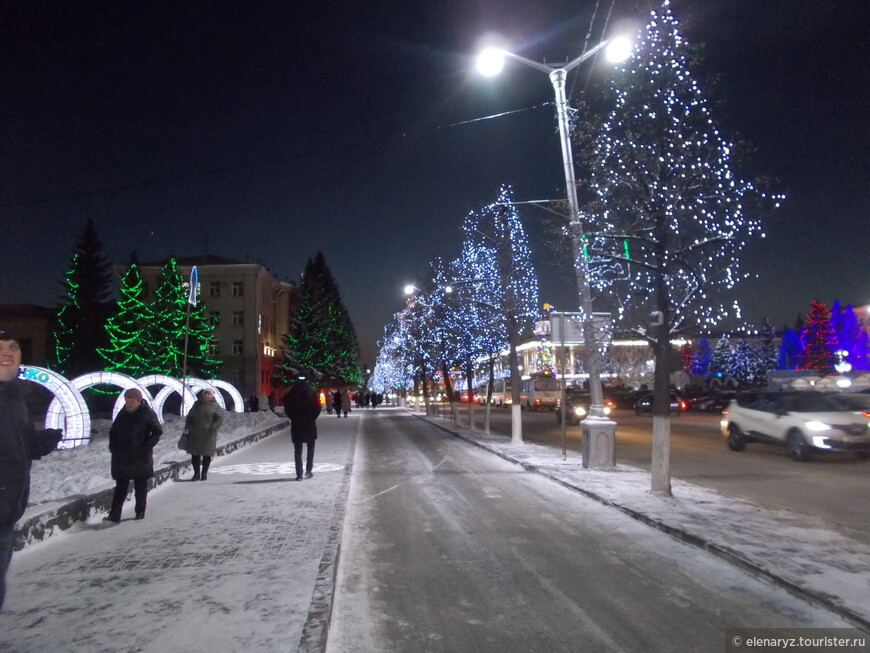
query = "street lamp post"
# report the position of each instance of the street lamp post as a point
(598, 430)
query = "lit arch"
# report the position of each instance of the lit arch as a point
(235, 395)
(162, 380)
(123, 381)
(68, 411)
(199, 385)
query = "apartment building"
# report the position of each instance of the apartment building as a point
(253, 308)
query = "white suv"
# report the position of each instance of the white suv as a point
(803, 422)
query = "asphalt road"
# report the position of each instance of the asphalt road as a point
(446, 547)
(833, 487)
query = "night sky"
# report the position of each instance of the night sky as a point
(271, 130)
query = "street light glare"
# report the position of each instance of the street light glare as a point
(409, 289)
(618, 49)
(490, 62)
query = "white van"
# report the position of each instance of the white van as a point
(540, 393)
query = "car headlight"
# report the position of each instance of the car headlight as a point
(607, 410)
(579, 411)
(818, 426)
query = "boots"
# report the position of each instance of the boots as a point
(206, 461)
(194, 460)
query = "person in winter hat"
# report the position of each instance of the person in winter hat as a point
(20, 444)
(202, 424)
(302, 406)
(132, 437)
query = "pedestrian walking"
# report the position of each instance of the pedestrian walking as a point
(336, 402)
(132, 437)
(20, 445)
(345, 402)
(302, 406)
(202, 424)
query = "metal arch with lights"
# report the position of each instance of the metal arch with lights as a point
(123, 381)
(235, 395)
(71, 413)
(490, 63)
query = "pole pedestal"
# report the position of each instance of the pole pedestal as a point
(599, 440)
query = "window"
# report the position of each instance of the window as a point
(238, 318)
(214, 347)
(237, 346)
(214, 289)
(237, 289)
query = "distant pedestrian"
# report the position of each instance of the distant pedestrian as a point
(302, 406)
(336, 402)
(20, 444)
(202, 424)
(254, 404)
(345, 402)
(132, 437)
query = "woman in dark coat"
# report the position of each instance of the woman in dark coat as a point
(202, 424)
(132, 437)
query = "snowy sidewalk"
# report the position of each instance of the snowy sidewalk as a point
(801, 554)
(243, 561)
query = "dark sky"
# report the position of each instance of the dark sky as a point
(274, 129)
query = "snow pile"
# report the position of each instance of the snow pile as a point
(84, 470)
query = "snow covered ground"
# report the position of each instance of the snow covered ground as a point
(85, 470)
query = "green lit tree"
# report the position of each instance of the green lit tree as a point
(163, 338)
(125, 327)
(322, 343)
(80, 332)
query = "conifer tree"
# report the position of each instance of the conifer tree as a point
(790, 350)
(854, 340)
(767, 353)
(701, 358)
(322, 344)
(743, 363)
(721, 357)
(125, 327)
(80, 331)
(819, 341)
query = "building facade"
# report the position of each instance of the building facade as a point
(252, 308)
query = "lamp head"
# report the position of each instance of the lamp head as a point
(490, 62)
(618, 49)
(409, 289)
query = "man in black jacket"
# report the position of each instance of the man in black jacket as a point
(302, 406)
(20, 444)
(132, 437)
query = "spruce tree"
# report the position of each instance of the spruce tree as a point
(701, 358)
(80, 331)
(766, 353)
(721, 358)
(854, 339)
(125, 352)
(819, 341)
(790, 350)
(163, 338)
(322, 343)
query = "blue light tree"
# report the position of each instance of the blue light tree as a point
(670, 218)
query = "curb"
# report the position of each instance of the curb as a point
(728, 555)
(40, 527)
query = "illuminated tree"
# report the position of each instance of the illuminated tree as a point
(743, 365)
(322, 344)
(854, 340)
(701, 358)
(126, 326)
(721, 357)
(766, 353)
(819, 341)
(670, 219)
(687, 355)
(79, 333)
(790, 350)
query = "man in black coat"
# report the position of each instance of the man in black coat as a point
(20, 444)
(132, 437)
(302, 406)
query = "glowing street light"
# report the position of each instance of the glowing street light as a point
(597, 427)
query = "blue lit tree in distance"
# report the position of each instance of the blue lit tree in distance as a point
(670, 219)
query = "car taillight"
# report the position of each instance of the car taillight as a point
(865, 413)
(682, 405)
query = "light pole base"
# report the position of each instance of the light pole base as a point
(599, 443)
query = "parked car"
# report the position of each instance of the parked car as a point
(714, 402)
(802, 422)
(644, 405)
(577, 405)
